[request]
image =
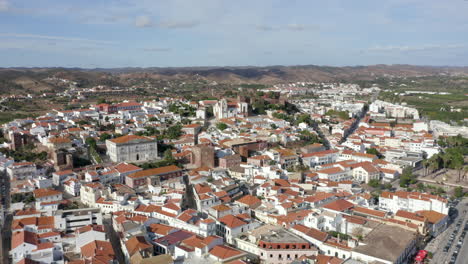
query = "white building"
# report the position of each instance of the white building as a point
(132, 148)
(22, 170)
(412, 202)
(224, 109)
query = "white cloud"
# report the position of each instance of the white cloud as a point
(178, 24)
(58, 38)
(157, 49)
(290, 27)
(264, 28)
(4, 5)
(416, 48)
(143, 21)
(296, 27)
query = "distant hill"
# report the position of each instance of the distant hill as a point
(15, 80)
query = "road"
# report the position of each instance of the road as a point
(189, 200)
(5, 236)
(463, 255)
(114, 239)
(325, 141)
(437, 245)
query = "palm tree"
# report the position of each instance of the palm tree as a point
(425, 163)
(446, 161)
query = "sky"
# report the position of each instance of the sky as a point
(176, 33)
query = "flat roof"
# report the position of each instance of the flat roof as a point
(386, 242)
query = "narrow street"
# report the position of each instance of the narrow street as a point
(189, 201)
(355, 124)
(114, 239)
(5, 236)
(324, 139)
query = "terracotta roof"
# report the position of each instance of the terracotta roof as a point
(27, 211)
(225, 252)
(97, 248)
(84, 229)
(59, 140)
(38, 193)
(64, 172)
(319, 196)
(156, 171)
(137, 243)
(410, 215)
(160, 229)
(323, 259)
(249, 200)
(18, 238)
(355, 219)
(433, 217)
(129, 138)
(232, 221)
(126, 167)
(367, 166)
(311, 232)
(221, 207)
(367, 211)
(339, 205)
(333, 170)
(364, 155)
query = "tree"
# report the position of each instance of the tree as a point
(90, 141)
(425, 164)
(104, 137)
(102, 101)
(459, 193)
(374, 183)
(168, 156)
(407, 177)
(375, 152)
(174, 132)
(388, 186)
(421, 187)
(221, 126)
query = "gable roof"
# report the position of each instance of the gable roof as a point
(156, 171)
(225, 252)
(129, 138)
(339, 205)
(137, 243)
(312, 232)
(232, 221)
(249, 200)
